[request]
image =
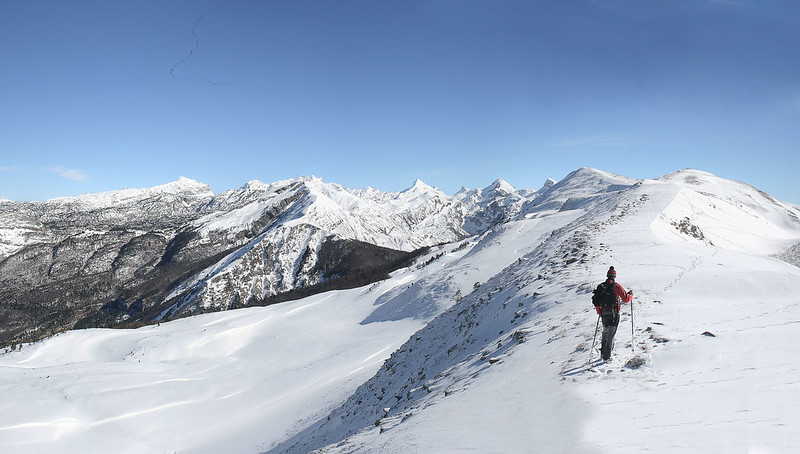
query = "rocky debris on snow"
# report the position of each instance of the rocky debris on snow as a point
(792, 255)
(686, 227)
(656, 338)
(635, 362)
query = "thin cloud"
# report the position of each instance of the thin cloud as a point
(69, 174)
(8, 169)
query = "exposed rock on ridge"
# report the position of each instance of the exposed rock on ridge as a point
(134, 255)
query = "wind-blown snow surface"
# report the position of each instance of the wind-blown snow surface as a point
(428, 361)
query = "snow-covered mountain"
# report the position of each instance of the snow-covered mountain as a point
(138, 255)
(62, 259)
(483, 344)
(490, 206)
(25, 223)
(298, 223)
(509, 361)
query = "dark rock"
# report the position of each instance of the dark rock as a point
(635, 362)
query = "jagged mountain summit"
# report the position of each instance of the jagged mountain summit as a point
(307, 232)
(482, 343)
(495, 204)
(139, 255)
(513, 354)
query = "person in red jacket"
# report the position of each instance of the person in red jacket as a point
(610, 315)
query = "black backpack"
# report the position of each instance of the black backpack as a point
(604, 296)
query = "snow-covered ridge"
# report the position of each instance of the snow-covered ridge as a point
(183, 187)
(730, 214)
(397, 220)
(289, 222)
(576, 189)
(516, 348)
(494, 204)
(481, 345)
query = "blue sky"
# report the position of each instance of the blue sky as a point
(107, 94)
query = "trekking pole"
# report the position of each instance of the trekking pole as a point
(594, 339)
(633, 334)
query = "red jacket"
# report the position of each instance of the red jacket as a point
(622, 296)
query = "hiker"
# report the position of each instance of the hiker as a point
(610, 295)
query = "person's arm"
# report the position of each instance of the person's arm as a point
(624, 296)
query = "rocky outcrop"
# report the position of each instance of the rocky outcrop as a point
(128, 257)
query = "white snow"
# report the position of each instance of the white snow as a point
(267, 378)
(184, 186)
(366, 215)
(222, 383)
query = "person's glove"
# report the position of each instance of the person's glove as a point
(630, 292)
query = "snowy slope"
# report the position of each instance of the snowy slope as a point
(223, 383)
(135, 255)
(18, 229)
(493, 205)
(576, 189)
(26, 223)
(417, 217)
(185, 187)
(505, 370)
(280, 228)
(226, 382)
(734, 215)
(480, 346)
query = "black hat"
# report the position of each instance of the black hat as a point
(612, 274)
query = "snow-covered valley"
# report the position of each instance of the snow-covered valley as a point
(484, 344)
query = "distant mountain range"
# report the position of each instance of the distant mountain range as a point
(436, 323)
(134, 256)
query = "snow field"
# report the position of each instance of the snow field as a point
(727, 393)
(215, 383)
(235, 381)
(694, 392)
(428, 362)
(732, 391)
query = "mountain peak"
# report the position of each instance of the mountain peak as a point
(500, 185)
(692, 176)
(420, 186)
(182, 184)
(548, 183)
(501, 309)
(589, 175)
(255, 184)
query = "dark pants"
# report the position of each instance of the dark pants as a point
(610, 323)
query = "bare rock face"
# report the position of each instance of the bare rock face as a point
(128, 257)
(62, 259)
